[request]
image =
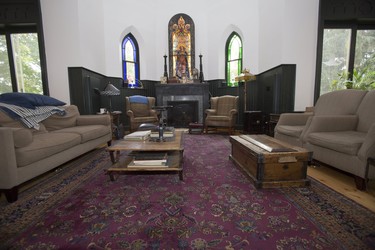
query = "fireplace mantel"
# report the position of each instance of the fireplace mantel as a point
(184, 92)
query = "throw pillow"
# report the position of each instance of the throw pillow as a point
(29, 100)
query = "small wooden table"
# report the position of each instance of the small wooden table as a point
(173, 146)
(270, 162)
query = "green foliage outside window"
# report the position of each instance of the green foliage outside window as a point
(25, 51)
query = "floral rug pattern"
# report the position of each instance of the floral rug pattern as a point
(214, 207)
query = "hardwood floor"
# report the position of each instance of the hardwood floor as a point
(344, 184)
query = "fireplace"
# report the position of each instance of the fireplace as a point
(180, 95)
(182, 113)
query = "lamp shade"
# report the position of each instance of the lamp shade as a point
(245, 76)
(110, 90)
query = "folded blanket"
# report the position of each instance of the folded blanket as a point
(138, 99)
(31, 117)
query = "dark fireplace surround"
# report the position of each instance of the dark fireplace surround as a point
(189, 102)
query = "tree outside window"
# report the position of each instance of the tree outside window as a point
(348, 59)
(26, 61)
(233, 59)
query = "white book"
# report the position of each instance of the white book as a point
(138, 135)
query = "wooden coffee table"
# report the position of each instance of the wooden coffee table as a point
(270, 162)
(173, 146)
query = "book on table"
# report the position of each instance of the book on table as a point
(168, 132)
(148, 158)
(149, 165)
(138, 135)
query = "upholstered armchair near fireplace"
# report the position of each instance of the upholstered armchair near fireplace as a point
(139, 109)
(223, 113)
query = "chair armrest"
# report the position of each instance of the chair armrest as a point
(233, 112)
(83, 120)
(210, 112)
(368, 146)
(294, 119)
(8, 166)
(130, 113)
(154, 113)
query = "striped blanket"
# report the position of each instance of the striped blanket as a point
(31, 117)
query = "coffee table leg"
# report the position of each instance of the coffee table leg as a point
(181, 175)
(112, 157)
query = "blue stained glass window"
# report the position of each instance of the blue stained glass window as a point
(130, 61)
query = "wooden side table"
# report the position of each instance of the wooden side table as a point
(370, 161)
(115, 119)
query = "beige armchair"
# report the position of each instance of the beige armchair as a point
(223, 113)
(139, 109)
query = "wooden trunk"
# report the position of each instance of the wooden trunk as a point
(269, 162)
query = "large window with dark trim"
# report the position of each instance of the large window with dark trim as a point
(20, 64)
(233, 58)
(348, 58)
(346, 46)
(130, 61)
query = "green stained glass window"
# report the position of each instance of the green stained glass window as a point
(233, 59)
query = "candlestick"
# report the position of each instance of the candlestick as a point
(201, 78)
(165, 66)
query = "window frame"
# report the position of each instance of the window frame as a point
(227, 61)
(353, 26)
(7, 31)
(136, 53)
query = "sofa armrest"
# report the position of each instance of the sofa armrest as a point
(8, 166)
(294, 119)
(83, 120)
(368, 146)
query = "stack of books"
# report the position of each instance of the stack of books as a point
(168, 132)
(148, 159)
(138, 136)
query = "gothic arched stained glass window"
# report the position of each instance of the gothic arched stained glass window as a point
(130, 61)
(181, 46)
(233, 55)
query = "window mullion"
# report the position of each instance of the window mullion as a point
(353, 40)
(12, 67)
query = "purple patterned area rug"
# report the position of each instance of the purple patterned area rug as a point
(214, 207)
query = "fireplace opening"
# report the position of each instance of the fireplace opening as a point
(182, 113)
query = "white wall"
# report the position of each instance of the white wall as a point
(89, 33)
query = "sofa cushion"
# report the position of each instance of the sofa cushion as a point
(68, 120)
(22, 137)
(29, 100)
(294, 131)
(87, 133)
(140, 109)
(45, 145)
(7, 121)
(336, 102)
(347, 142)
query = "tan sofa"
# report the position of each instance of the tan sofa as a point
(27, 153)
(340, 131)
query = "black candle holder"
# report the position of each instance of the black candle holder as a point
(201, 78)
(165, 67)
